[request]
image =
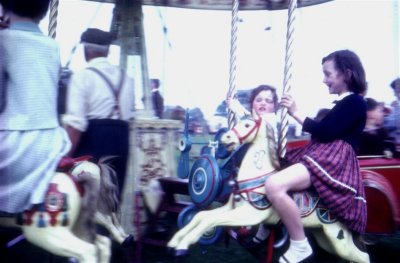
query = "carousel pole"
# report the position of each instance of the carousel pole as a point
(128, 17)
(287, 80)
(396, 28)
(232, 70)
(53, 18)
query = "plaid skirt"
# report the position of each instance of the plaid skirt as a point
(335, 174)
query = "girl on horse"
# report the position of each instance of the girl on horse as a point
(32, 141)
(263, 102)
(329, 162)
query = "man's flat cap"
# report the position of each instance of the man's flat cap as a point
(97, 36)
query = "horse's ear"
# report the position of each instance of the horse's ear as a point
(254, 114)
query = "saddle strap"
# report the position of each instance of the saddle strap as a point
(253, 183)
(114, 91)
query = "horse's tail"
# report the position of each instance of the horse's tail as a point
(108, 201)
(272, 146)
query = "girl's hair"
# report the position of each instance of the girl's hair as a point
(346, 60)
(257, 91)
(35, 9)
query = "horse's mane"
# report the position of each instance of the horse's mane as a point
(108, 201)
(99, 196)
(272, 146)
(86, 225)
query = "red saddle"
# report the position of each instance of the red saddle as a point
(66, 163)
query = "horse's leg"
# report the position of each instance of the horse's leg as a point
(61, 241)
(111, 223)
(103, 245)
(244, 215)
(338, 240)
(197, 219)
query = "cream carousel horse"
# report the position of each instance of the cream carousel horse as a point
(80, 196)
(248, 206)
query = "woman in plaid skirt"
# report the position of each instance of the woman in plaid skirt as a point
(329, 162)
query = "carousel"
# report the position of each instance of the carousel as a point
(204, 196)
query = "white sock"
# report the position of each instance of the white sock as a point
(262, 234)
(298, 250)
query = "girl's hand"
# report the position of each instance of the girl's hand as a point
(288, 102)
(234, 105)
(228, 101)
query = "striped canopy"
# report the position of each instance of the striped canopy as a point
(225, 4)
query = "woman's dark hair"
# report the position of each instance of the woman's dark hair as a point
(35, 9)
(372, 104)
(346, 60)
(260, 88)
(395, 83)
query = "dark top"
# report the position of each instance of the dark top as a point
(158, 103)
(345, 121)
(376, 142)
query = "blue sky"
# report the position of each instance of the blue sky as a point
(194, 69)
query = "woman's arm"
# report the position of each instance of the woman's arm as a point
(3, 77)
(288, 102)
(346, 116)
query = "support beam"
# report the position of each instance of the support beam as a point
(128, 23)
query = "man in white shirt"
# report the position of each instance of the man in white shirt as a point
(100, 104)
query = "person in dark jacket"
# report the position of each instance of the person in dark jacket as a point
(375, 139)
(157, 98)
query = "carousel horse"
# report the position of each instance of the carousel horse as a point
(80, 195)
(248, 205)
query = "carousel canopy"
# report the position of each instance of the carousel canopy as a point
(223, 4)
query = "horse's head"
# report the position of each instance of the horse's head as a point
(252, 129)
(100, 192)
(99, 179)
(85, 168)
(245, 131)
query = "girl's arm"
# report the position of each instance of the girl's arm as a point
(234, 105)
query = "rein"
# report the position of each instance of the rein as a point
(67, 164)
(242, 138)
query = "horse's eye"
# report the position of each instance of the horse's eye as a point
(247, 125)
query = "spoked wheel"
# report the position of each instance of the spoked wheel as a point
(210, 236)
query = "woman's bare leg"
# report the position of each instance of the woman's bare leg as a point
(293, 178)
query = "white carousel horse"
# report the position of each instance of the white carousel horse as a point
(80, 196)
(248, 206)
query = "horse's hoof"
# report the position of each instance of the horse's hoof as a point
(308, 259)
(179, 253)
(129, 241)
